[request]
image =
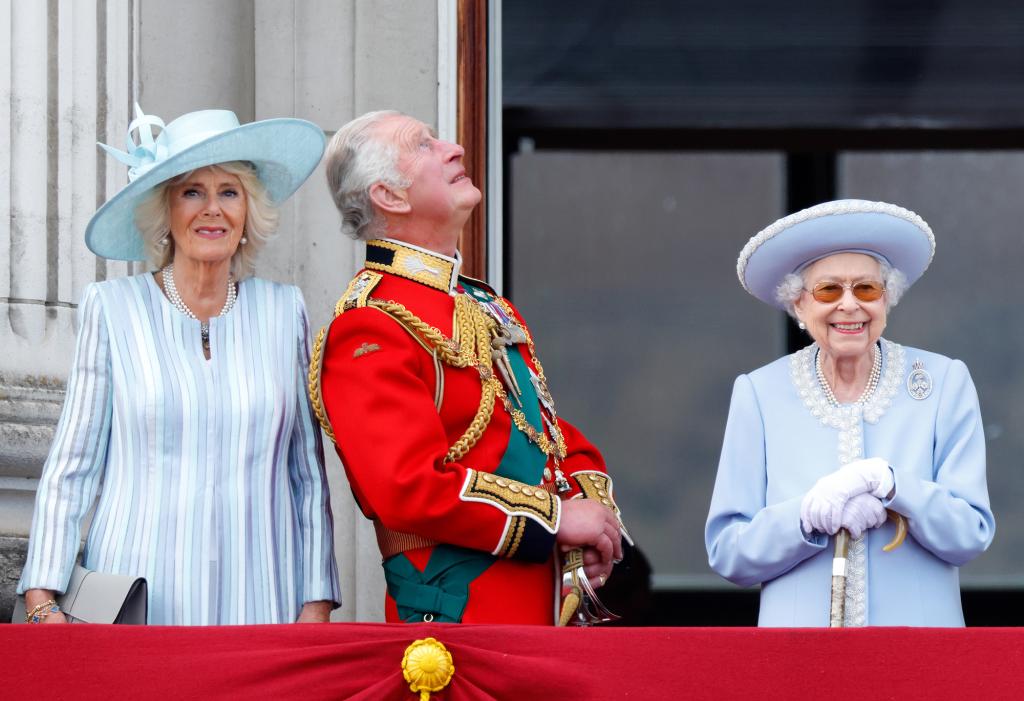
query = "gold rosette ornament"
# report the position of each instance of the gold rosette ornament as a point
(427, 666)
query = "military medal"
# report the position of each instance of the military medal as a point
(543, 393)
(494, 315)
(499, 355)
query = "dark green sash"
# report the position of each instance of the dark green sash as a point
(523, 461)
(442, 588)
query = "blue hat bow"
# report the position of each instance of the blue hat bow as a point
(148, 151)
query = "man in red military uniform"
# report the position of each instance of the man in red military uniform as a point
(430, 386)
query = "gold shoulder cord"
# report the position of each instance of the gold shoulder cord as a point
(471, 350)
(315, 398)
(356, 295)
(469, 353)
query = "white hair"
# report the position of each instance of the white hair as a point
(153, 217)
(356, 159)
(792, 285)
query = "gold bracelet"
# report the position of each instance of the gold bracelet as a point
(37, 614)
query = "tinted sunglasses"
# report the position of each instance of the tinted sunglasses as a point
(866, 291)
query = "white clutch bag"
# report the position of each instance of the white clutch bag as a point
(98, 597)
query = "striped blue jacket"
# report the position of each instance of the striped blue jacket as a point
(210, 472)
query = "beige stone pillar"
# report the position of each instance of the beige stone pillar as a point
(66, 79)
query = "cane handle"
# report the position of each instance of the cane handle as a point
(901, 531)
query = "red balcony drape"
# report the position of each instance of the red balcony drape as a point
(362, 661)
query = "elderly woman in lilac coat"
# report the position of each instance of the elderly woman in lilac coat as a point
(851, 426)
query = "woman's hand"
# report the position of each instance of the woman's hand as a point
(35, 597)
(822, 507)
(315, 612)
(862, 512)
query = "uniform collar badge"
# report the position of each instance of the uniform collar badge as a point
(414, 263)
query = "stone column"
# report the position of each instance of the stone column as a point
(66, 79)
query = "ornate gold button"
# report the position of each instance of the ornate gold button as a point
(502, 482)
(489, 478)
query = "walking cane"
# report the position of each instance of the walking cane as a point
(842, 547)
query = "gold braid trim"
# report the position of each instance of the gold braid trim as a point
(513, 498)
(419, 266)
(597, 485)
(472, 350)
(355, 295)
(452, 353)
(539, 438)
(478, 425)
(513, 537)
(472, 322)
(315, 396)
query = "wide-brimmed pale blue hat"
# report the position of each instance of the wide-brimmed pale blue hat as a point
(284, 151)
(886, 231)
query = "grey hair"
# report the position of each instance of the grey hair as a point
(356, 160)
(153, 215)
(792, 285)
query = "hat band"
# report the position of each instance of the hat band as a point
(863, 251)
(165, 151)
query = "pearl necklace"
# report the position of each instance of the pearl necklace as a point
(204, 326)
(876, 372)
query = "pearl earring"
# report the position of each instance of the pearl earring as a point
(802, 325)
(165, 240)
(243, 240)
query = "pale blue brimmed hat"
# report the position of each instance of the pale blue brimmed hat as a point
(284, 151)
(886, 231)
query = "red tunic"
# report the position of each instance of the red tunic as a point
(379, 388)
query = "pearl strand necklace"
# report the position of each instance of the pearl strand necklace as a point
(876, 372)
(204, 326)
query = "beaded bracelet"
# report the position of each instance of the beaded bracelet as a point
(38, 613)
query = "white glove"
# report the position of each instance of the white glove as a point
(822, 506)
(876, 474)
(862, 512)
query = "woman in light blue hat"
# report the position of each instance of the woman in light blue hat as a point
(186, 400)
(848, 433)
